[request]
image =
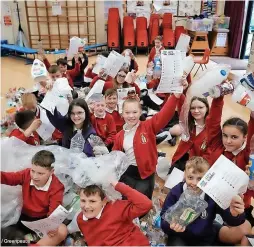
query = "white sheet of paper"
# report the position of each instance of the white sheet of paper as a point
(97, 88)
(251, 240)
(57, 97)
(223, 181)
(46, 129)
(174, 178)
(100, 60)
(113, 63)
(183, 43)
(75, 44)
(62, 87)
(154, 97)
(122, 95)
(48, 102)
(221, 39)
(42, 227)
(56, 8)
(172, 72)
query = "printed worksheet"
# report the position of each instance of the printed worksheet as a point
(113, 63)
(223, 181)
(46, 129)
(42, 227)
(100, 60)
(172, 72)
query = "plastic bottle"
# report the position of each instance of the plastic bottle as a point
(77, 142)
(248, 81)
(188, 63)
(211, 78)
(39, 71)
(157, 68)
(220, 90)
(244, 97)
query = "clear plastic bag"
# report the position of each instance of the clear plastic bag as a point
(188, 208)
(72, 169)
(99, 147)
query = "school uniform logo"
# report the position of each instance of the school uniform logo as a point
(203, 145)
(143, 139)
(105, 127)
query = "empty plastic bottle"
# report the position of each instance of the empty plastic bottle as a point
(78, 142)
(157, 68)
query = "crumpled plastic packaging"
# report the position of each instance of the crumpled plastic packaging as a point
(188, 208)
(72, 169)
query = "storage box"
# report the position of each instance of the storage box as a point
(221, 22)
(200, 25)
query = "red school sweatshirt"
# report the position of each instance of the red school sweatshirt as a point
(31, 140)
(215, 145)
(89, 73)
(69, 74)
(115, 226)
(96, 78)
(105, 128)
(214, 138)
(195, 146)
(118, 119)
(144, 142)
(36, 203)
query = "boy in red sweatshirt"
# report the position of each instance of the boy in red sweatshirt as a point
(42, 193)
(27, 125)
(112, 108)
(102, 121)
(62, 65)
(29, 102)
(106, 223)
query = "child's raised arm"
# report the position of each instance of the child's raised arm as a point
(13, 178)
(160, 120)
(213, 120)
(250, 131)
(136, 204)
(57, 120)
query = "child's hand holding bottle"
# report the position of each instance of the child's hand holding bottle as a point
(177, 227)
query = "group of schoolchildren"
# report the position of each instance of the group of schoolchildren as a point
(104, 223)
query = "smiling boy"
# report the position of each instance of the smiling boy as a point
(42, 193)
(204, 231)
(105, 223)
